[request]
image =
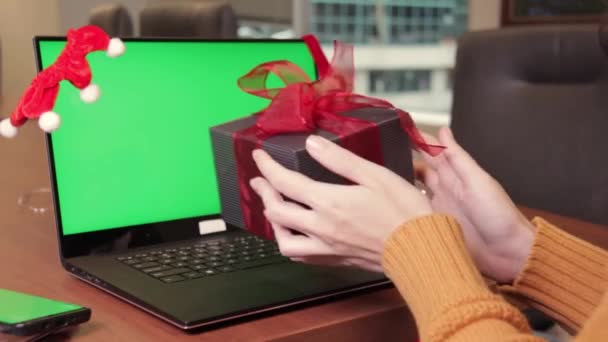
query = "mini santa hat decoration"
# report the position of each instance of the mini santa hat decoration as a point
(39, 98)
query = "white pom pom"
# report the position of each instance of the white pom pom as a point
(49, 121)
(90, 94)
(116, 47)
(7, 129)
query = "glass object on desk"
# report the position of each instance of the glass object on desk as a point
(37, 201)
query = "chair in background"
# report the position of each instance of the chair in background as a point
(201, 19)
(113, 18)
(531, 106)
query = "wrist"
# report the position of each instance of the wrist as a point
(521, 248)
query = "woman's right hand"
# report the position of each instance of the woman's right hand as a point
(497, 234)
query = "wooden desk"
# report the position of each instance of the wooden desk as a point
(28, 240)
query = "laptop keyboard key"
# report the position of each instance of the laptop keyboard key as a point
(146, 265)
(170, 272)
(209, 271)
(226, 269)
(156, 269)
(132, 261)
(193, 275)
(179, 264)
(173, 279)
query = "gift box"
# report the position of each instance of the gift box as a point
(371, 128)
(289, 150)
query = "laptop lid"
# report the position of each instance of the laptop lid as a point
(138, 162)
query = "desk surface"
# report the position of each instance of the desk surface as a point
(28, 240)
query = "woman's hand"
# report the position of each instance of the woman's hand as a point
(497, 235)
(341, 224)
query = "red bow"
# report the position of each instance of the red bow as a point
(303, 105)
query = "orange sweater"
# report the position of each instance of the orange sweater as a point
(564, 276)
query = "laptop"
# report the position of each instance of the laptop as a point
(135, 191)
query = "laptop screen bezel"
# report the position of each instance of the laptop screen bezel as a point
(104, 241)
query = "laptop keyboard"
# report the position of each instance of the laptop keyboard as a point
(204, 259)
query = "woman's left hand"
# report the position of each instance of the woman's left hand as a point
(343, 224)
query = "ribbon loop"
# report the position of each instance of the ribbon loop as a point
(254, 82)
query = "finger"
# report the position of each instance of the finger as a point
(431, 180)
(297, 246)
(320, 260)
(290, 183)
(342, 161)
(465, 167)
(286, 214)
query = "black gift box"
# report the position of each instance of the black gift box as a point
(289, 150)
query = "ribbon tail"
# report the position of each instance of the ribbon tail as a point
(252, 207)
(417, 139)
(321, 62)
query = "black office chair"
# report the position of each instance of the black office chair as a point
(113, 18)
(200, 19)
(531, 106)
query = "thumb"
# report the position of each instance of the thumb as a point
(341, 161)
(465, 167)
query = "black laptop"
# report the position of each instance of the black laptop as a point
(134, 185)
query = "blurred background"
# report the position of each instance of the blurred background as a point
(405, 49)
(404, 52)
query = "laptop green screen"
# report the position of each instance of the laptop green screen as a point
(142, 153)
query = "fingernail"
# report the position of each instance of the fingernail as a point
(315, 142)
(256, 154)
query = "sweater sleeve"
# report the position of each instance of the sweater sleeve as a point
(427, 260)
(564, 277)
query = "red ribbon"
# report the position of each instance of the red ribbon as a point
(304, 106)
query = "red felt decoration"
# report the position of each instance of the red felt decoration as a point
(39, 98)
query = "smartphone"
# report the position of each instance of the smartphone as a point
(24, 315)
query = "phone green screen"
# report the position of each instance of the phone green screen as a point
(18, 307)
(142, 153)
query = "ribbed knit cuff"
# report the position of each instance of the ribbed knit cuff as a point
(428, 262)
(563, 274)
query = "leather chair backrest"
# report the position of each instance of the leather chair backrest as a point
(531, 106)
(200, 19)
(113, 18)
